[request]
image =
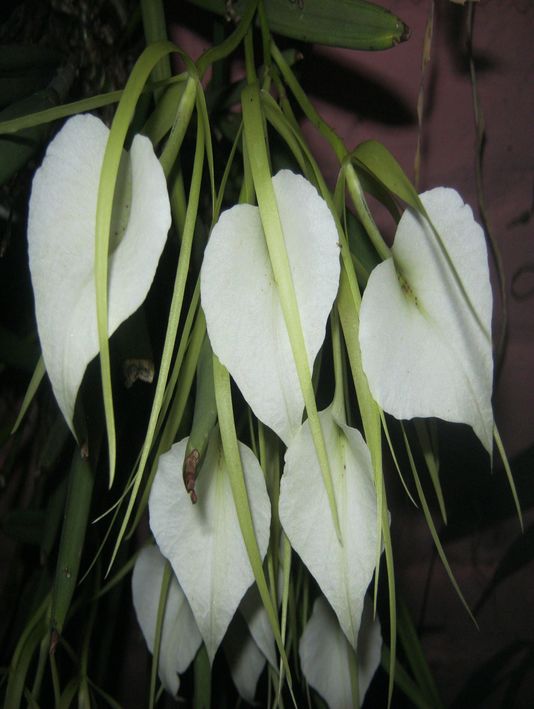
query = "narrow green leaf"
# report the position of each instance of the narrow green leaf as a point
(257, 153)
(404, 681)
(27, 644)
(81, 481)
(233, 460)
(172, 324)
(155, 27)
(36, 379)
(227, 46)
(508, 471)
(202, 673)
(432, 528)
(431, 457)
(415, 657)
(182, 376)
(204, 419)
(110, 167)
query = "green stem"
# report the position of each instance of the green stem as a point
(81, 481)
(338, 404)
(230, 44)
(306, 105)
(155, 27)
(250, 64)
(362, 210)
(204, 419)
(181, 123)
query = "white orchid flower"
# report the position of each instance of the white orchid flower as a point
(241, 302)
(326, 656)
(180, 637)
(203, 542)
(426, 341)
(247, 644)
(61, 243)
(343, 571)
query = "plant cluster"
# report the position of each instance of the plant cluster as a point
(289, 329)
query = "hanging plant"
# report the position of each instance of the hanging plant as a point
(246, 494)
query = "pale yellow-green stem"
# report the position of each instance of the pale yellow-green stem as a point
(355, 190)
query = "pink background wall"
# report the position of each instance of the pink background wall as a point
(374, 95)
(503, 49)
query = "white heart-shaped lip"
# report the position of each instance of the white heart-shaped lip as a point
(61, 243)
(325, 654)
(240, 298)
(342, 572)
(203, 542)
(426, 346)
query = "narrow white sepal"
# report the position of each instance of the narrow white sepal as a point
(180, 637)
(324, 654)
(240, 298)
(342, 572)
(61, 244)
(423, 351)
(203, 542)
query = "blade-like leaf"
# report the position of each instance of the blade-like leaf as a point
(342, 572)
(438, 359)
(61, 234)
(203, 542)
(325, 654)
(242, 304)
(180, 637)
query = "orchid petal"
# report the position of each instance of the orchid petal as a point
(424, 351)
(325, 654)
(240, 298)
(180, 638)
(257, 620)
(248, 643)
(342, 572)
(61, 242)
(203, 542)
(245, 659)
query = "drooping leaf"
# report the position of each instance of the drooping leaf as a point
(61, 235)
(203, 542)
(240, 297)
(342, 572)
(180, 637)
(436, 359)
(325, 654)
